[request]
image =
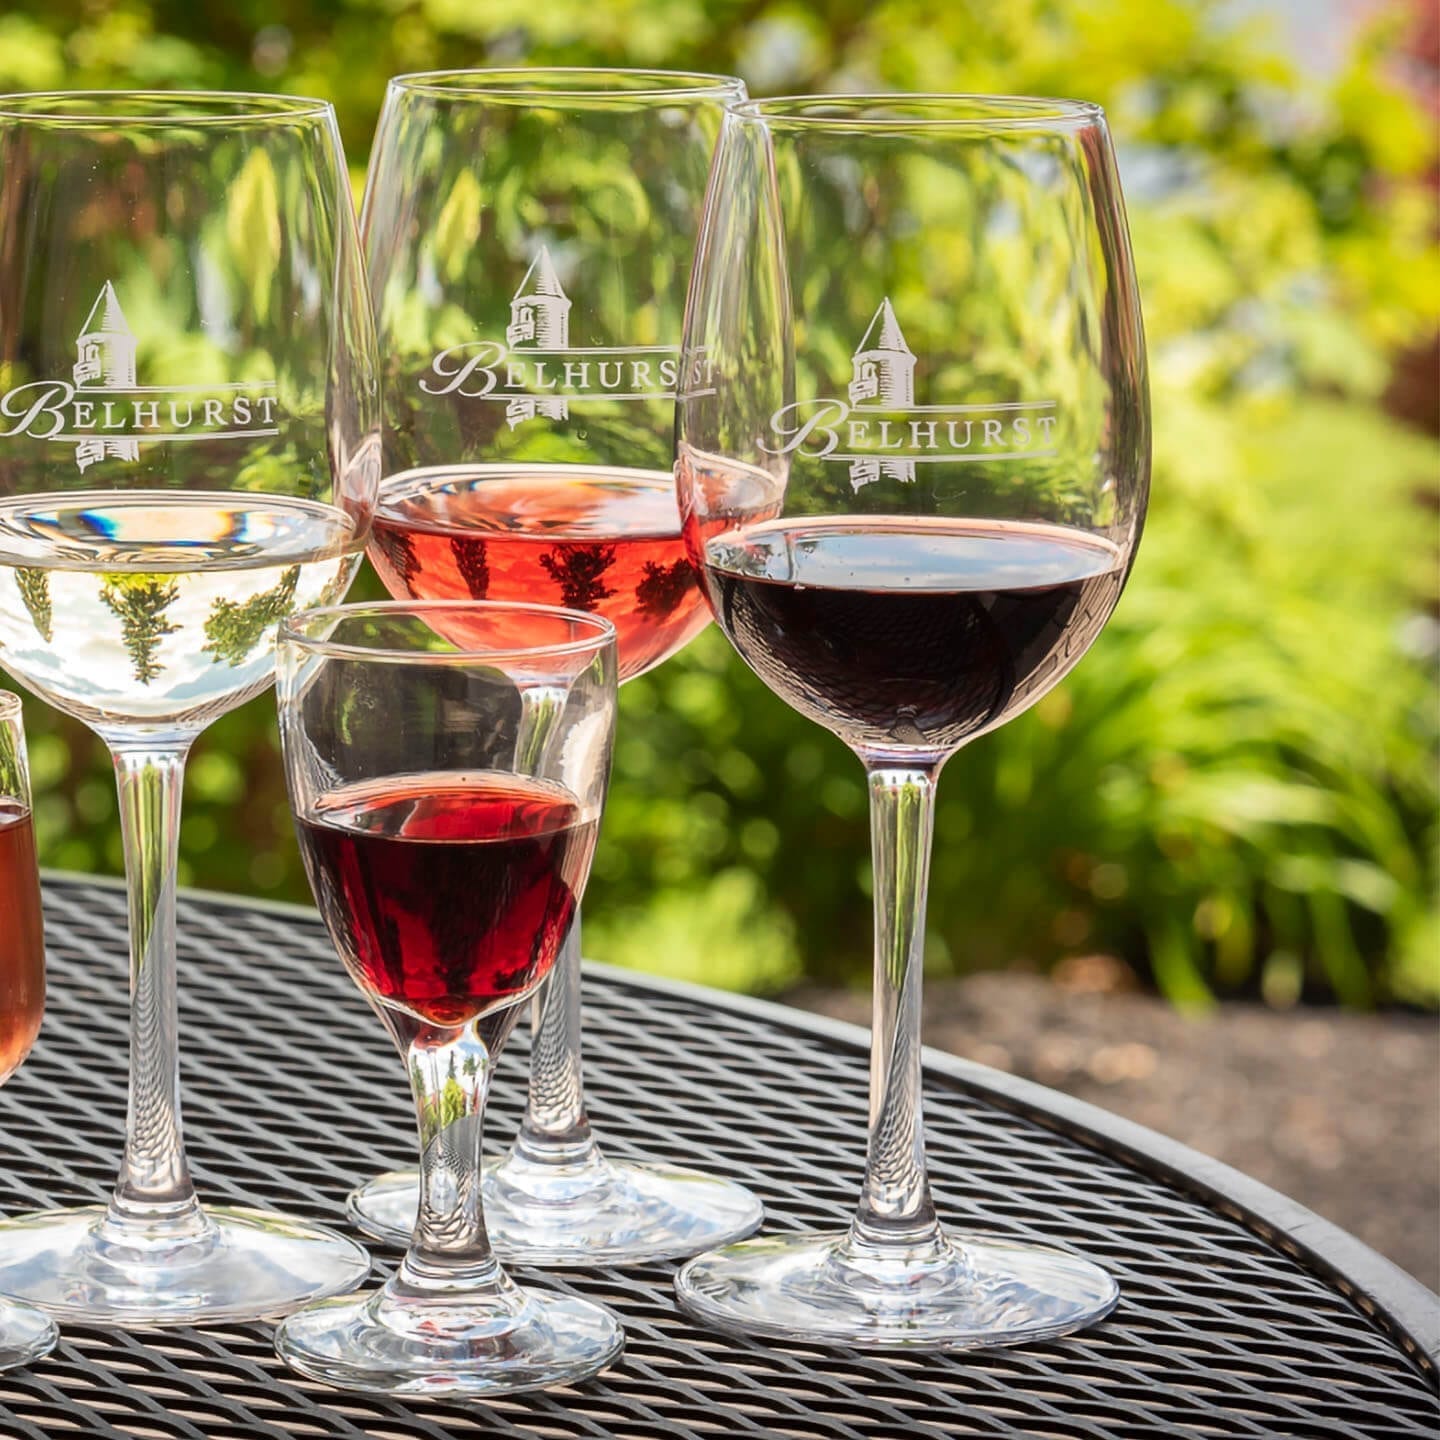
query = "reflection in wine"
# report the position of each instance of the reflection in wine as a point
(911, 636)
(448, 895)
(603, 540)
(158, 606)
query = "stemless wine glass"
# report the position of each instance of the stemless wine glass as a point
(921, 328)
(25, 1332)
(529, 236)
(447, 766)
(189, 450)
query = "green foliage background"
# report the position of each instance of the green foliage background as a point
(1237, 791)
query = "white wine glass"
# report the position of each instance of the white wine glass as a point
(188, 452)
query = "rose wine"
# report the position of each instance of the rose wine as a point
(160, 605)
(22, 941)
(911, 635)
(448, 895)
(603, 540)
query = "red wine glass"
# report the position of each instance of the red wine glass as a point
(25, 1332)
(922, 335)
(529, 235)
(447, 765)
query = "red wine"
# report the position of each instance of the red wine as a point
(448, 895)
(22, 940)
(590, 539)
(911, 635)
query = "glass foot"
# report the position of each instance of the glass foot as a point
(963, 1292)
(243, 1265)
(596, 1212)
(511, 1340)
(25, 1334)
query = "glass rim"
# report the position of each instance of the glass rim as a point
(170, 107)
(604, 633)
(397, 482)
(11, 707)
(519, 82)
(959, 111)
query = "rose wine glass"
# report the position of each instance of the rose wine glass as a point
(922, 332)
(529, 236)
(447, 765)
(25, 1332)
(189, 450)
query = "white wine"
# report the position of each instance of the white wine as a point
(159, 608)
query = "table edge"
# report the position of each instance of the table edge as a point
(1405, 1307)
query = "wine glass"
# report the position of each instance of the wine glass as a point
(447, 766)
(922, 333)
(188, 451)
(25, 1332)
(529, 235)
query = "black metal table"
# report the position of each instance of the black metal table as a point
(1241, 1315)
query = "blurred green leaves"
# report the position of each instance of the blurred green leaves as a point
(253, 228)
(1237, 790)
(458, 224)
(31, 57)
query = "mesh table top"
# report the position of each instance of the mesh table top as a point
(1231, 1323)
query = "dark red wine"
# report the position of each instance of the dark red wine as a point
(911, 635)
(448, 895)
(22, 940)
(602, 540)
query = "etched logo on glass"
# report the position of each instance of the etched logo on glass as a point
(882, 377)
(105, 413)
(540, 321)
(538, 374)
(882, 434)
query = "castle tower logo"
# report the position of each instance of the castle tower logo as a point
(539, 320)
(107, 414)
(882, 434)
(105, 358)
(540, 311)
(538, 374)
(882, 376)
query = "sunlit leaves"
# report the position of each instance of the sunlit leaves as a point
(253, 228)
(30, 56)
(457, 226)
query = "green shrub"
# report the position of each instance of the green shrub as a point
(1237, 790)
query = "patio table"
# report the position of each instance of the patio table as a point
(1242, 1314)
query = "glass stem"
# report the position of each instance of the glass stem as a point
(556, 1129)
(450, 1072)
(154, 1199)
(895, 1211)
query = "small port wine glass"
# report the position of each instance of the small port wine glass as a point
(447, 765)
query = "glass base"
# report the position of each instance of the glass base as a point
(25, 1334)
(510, 1341)
(962, 1293)
(595, 1212)
(243, 1265)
